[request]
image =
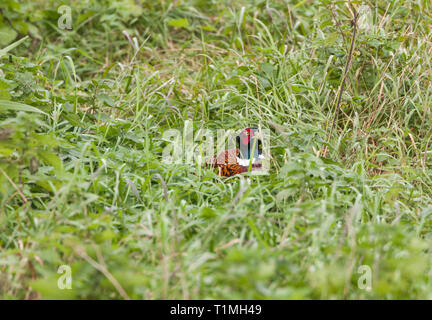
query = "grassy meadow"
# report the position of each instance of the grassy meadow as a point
(343, 86)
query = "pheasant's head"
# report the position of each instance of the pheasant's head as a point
(245, 143)
(246, 135)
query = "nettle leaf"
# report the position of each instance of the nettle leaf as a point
(73, 119)
(106, 99)
(48, 140)
(51, 159)
(286, 193)
(126, 9)
(267, 68)
(331, 39)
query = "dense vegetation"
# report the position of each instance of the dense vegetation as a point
(82, 118)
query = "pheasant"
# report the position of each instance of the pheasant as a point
(236, 161)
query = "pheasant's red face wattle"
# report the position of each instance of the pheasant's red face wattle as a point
(246, 136)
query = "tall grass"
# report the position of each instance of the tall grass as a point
(84, 185)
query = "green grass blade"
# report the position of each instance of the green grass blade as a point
(16, 106)
(4, 51)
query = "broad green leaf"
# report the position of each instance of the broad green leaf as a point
(331, 39)
(267, 68)
(6, 152)
(73, 119)
(179, 23)
(7, 35)
(208, 28)
(52, 159)
(105, 98)
(48, 140)
(4, 94)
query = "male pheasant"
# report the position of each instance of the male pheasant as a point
(236, 161)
